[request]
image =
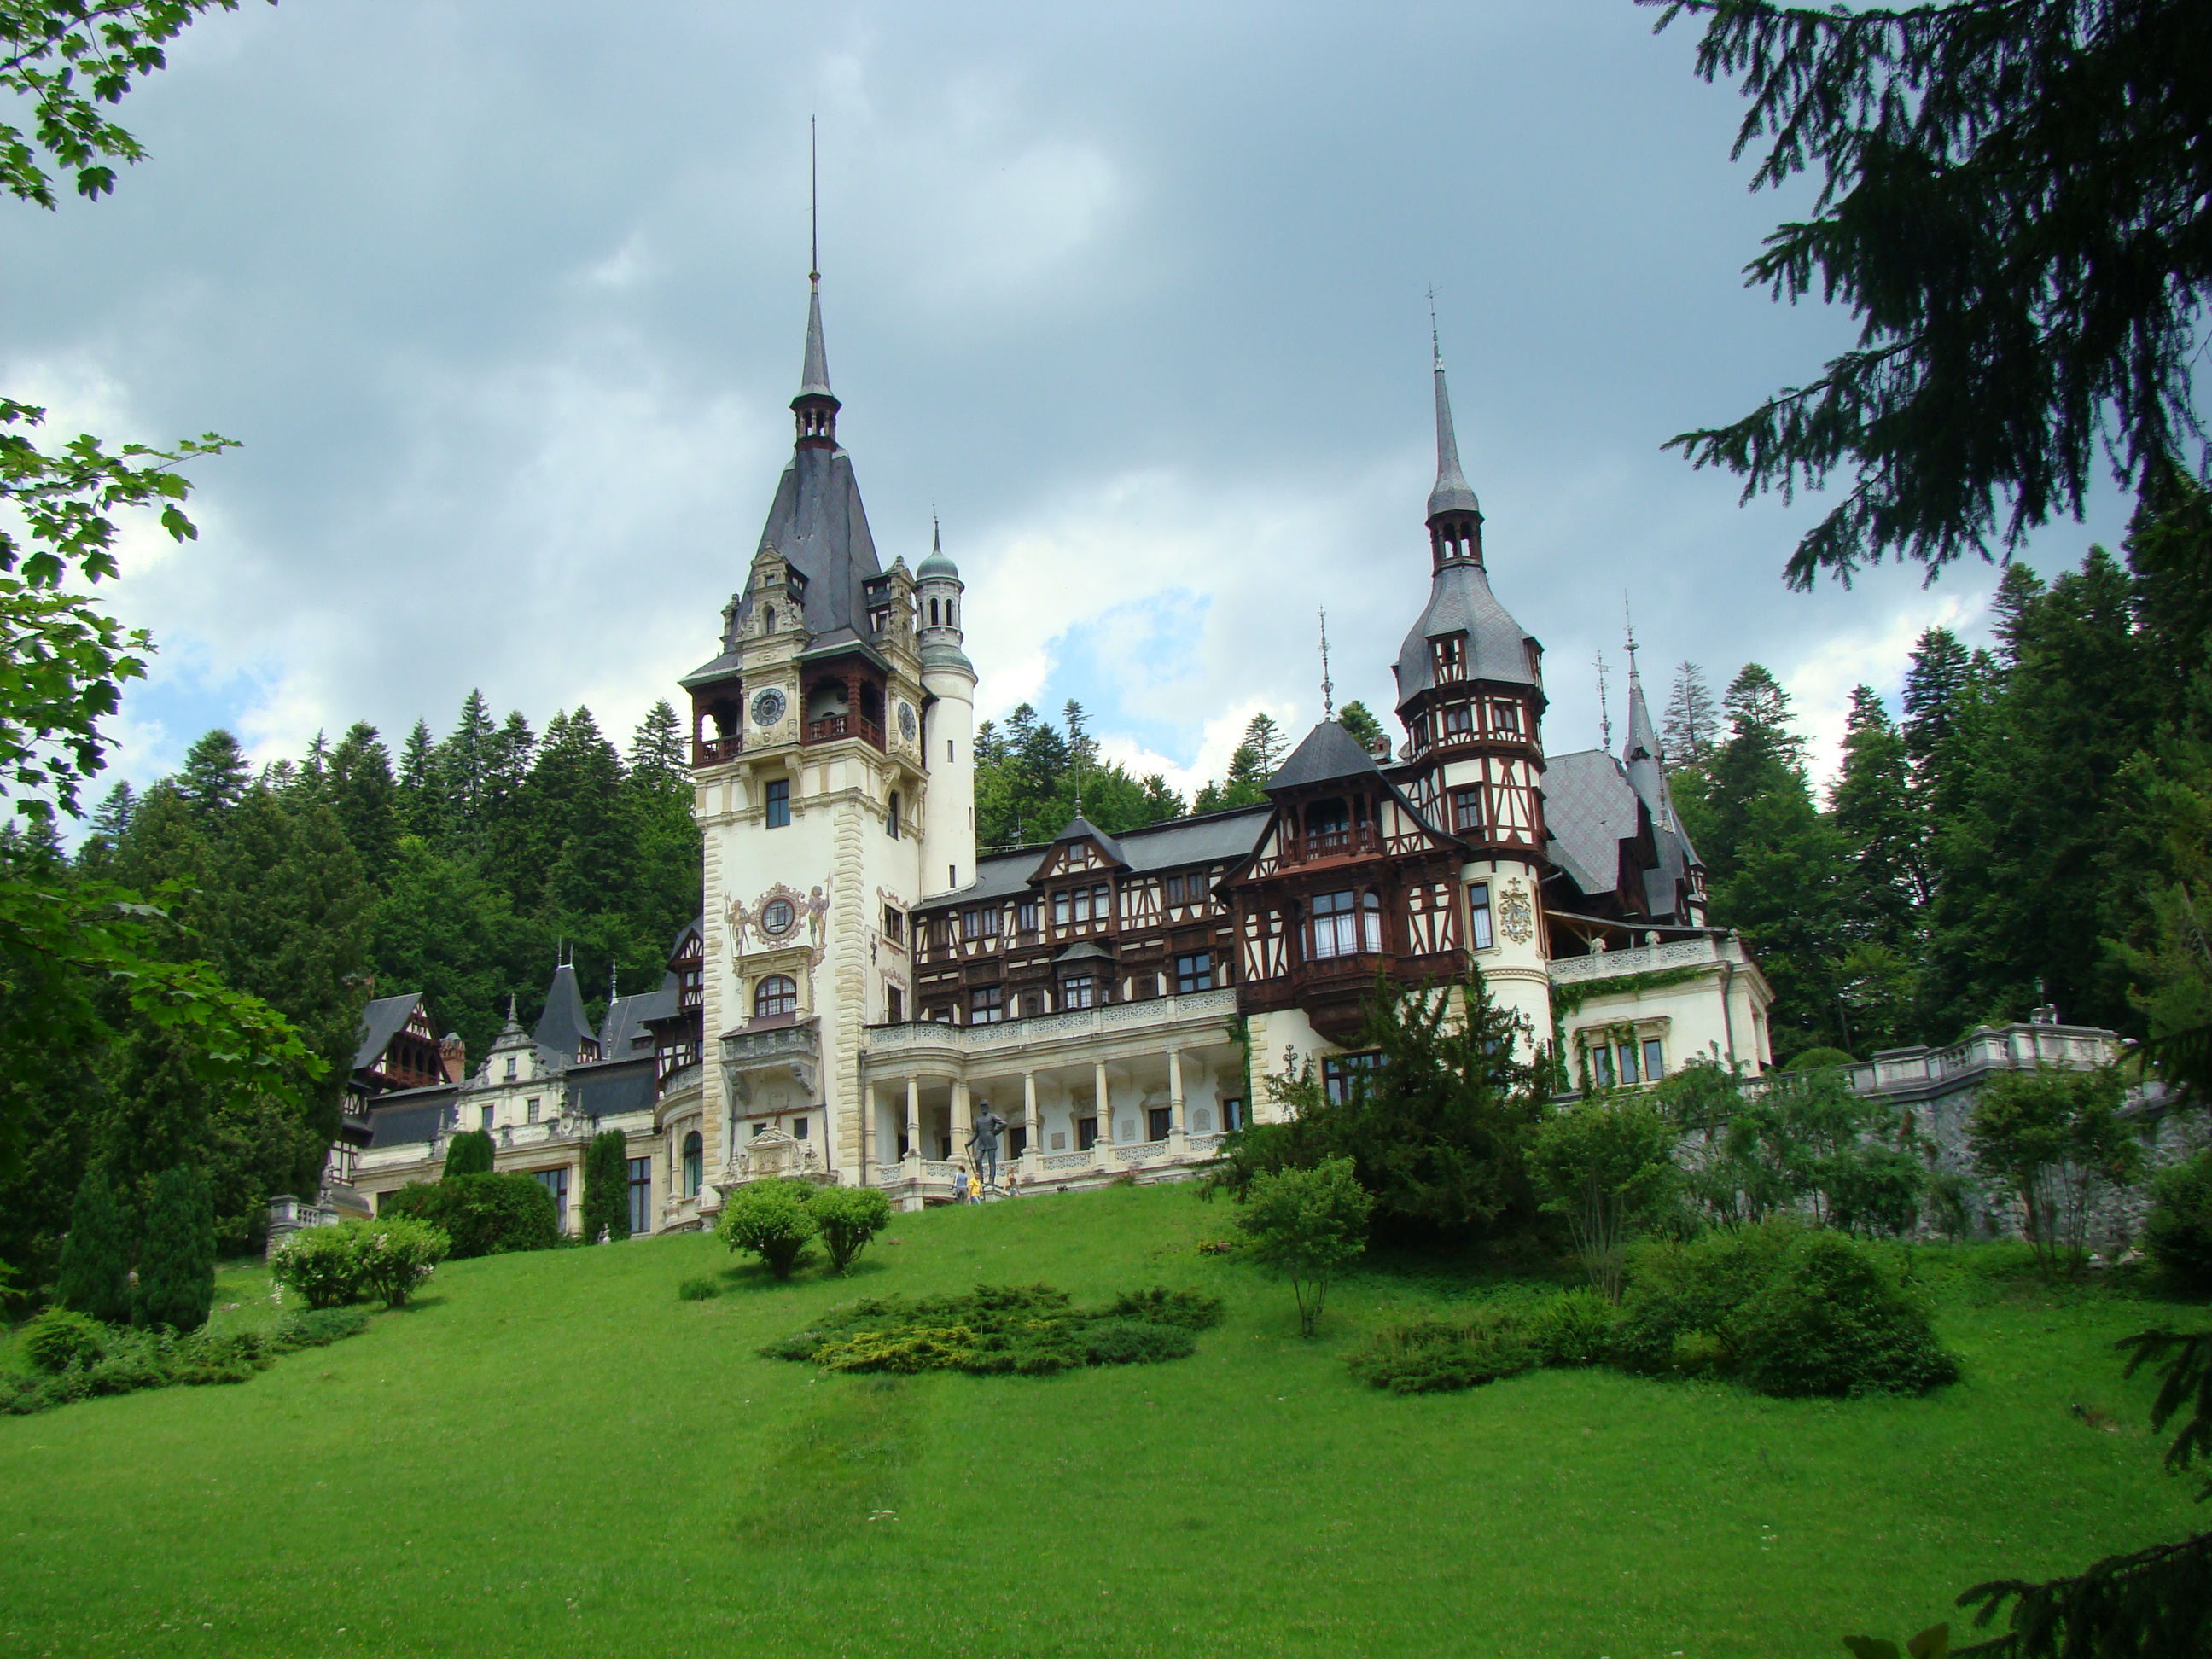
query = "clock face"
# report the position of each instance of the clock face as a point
(767, 708)
(906, 722)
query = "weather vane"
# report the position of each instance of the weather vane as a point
(813, 204)
(1628, 615)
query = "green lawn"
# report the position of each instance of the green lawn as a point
(553, 1455)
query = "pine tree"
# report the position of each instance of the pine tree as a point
(1264, 741)
(464, 764)
(94, 1275)
(1934, 684)
(1357, 718)
(1690, 724)
(365, 798)
(656, 749)
(441, 929)
(1872, 808)
(421, 799)
(176, 1254)
(215, 775)
(109, 824)
(606, 1186)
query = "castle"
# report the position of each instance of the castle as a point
(863, 981)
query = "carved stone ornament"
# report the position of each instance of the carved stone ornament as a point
(1516, 917)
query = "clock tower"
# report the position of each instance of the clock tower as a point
(834, 786)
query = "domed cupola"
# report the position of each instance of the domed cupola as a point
(937, 597)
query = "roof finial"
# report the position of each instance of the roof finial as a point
(1435, 346)
(1327, 690)
(1628, 615)
(936, 537)
(813, 204)
(1604, 709)
(1452, 494)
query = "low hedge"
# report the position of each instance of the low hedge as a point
(1024, 1330)
(127, 1361)
(389, 1257)
(481, 1214)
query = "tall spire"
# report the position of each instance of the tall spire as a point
(1454, 515)
(814, 377)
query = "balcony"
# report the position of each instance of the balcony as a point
(1152, 1015)
(1352, 842)
(713, 751)
(831, 728)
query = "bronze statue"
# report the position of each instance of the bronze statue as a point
(983, 1143)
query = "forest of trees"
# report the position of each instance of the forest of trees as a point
(2033, 826)
(460, 871)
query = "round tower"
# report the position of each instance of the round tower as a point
(1471, 697)
(948, 679)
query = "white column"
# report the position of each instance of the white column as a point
(1032, 1126)
(962, 1118)
(1102, 1104)
(1178, 1128)
(912, 1119)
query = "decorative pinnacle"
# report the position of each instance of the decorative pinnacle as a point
(813, 204)
(1327, 689)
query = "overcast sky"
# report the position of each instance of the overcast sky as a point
(505, 302)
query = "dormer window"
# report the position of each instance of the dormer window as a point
(1451, 653)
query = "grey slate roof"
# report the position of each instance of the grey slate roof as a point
(1591, 807)
(1327, 754)
(1081, 828)
(1647, 770)
(626, 1017)
(814, 374)
(380, 1022)
(1460, 602)
(410, 1115)
(1212, 838)
(1452, 494)
(563, 1028)
(936, 564)
(611, 1087)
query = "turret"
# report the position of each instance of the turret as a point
(949, 718)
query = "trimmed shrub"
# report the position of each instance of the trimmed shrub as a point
(176, 1262)
(323, 1264)
(1190, 1310)
(770, 1219)
(1819, 1059)
(482, 1214)
(1835, 1324)
(606, 1188)
(59, 1339)
(397, 1253)
(1133, 1342)
(847, 1218)
(2179, 1233)
(698, 1290)
(469, 1152)
(317, 1328)
(94, 1276)
(1785, 1309)
(1574, 1328)
(1435, 1356)
(1022, 1330)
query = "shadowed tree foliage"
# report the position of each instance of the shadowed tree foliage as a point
(2015, 203)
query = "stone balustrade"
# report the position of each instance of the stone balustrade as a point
(1646, 959)
(1132, 1020)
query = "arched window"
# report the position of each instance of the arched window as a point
(932, 613)
(768, 619)
(694, 1164)
(777, 995)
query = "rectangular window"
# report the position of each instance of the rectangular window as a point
(1060, 910)
(1506, 716)
(1194, 973)
(555, 1182)
(1628, 1062)
(1175, 890)
(1601, 1065)
(1086, 1133)
(986, 1006)
(1018, 1139)
(1344, 1075)
(799, 1129)
(530, 1112)
(1081, 898)
(1026, 917)
(1478, 914)
(1654, 1060)
(779, 803)
(641, 1196)
(1345, 924)
(1232, 1114)
(510, 1068)
(894, 925)
(1076, 991)
(894, 1005)
(1157, 1122)
(1102, 904)
(981, 923)
(1458, 721)
(486, 1123)
(1466, 809)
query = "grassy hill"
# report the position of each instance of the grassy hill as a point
(552, 1454)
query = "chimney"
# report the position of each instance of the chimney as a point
(453, 1055)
